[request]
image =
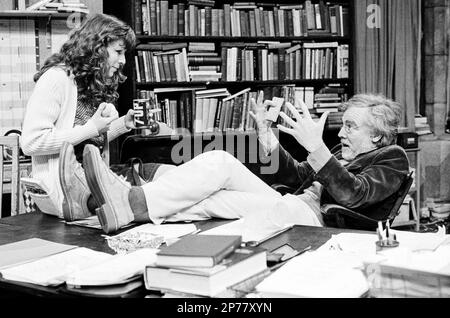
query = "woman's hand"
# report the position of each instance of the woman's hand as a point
(109, 111)
(259, 113)
(102, 122)
(129, 119)
(307, 132)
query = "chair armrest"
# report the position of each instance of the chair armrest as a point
(339, 211)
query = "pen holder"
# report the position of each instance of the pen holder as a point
(384, 245)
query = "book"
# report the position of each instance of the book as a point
(52, 270)
(118, 269)
(29, 250)
(47, 263)
(238, 266)
(198, 250)
(216, 92)
(161, 46)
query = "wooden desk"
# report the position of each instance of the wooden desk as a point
(50, 228)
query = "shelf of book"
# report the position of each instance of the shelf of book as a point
(178, 38)
(210, 84)
(298, 49)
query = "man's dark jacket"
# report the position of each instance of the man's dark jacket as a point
(367, 185)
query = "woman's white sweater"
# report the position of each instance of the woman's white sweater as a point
(49, 122)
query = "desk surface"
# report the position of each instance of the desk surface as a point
(50, 228)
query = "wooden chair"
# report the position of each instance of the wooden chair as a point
(9, 182)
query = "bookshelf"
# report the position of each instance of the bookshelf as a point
(278, 48)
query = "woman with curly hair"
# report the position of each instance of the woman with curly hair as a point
(73, 102)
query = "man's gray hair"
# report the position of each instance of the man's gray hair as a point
(385, 115)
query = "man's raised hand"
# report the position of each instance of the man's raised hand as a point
(305, 130)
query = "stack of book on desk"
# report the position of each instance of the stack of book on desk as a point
(203, 265)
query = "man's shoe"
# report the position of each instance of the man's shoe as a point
(110, 190)
(74, 186)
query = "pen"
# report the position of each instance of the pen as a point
(380, 230)
(380, 238)
(387, 231)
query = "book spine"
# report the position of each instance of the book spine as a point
(189, 112)
(215, 22)
(174, 19)
(153, 18)
(171, 29)
(217, 118)
(138, 17)
(229, 116)
(181, 21)
(281, 65)
(158, 17)
(146, 68)
(266, 23)
(271, 23)
(276, 23)
(239, 65)
(141, 66)
(164, 19)
(325, 16)
(257, 22)
(281, 22)
(162, 70)
(237, 112)
(145, 18)
(172, 69)
(310, 16)
(227, 19)
(208, 21)
(221, 23)
(218, 258)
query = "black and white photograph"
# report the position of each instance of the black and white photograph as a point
(215, 157)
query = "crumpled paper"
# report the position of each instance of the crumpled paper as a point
(129, 242)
